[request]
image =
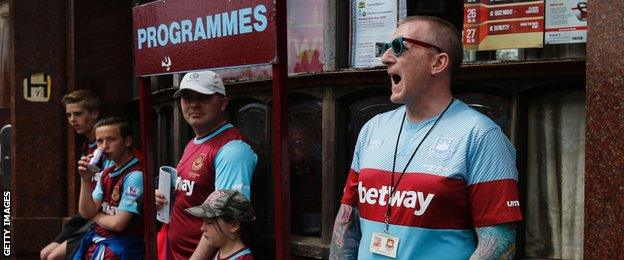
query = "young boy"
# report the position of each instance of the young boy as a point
(115, 203)
(83, 110)
(224, 213)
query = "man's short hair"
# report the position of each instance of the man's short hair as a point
(444, 35)
(86, 98)
(124, 125)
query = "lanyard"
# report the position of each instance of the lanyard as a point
(396, 147)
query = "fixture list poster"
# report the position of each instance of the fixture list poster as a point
(374, 23)
(566, 21)
(503, 24)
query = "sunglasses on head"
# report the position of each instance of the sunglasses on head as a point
(398, 45)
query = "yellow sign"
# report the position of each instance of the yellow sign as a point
(37, 87)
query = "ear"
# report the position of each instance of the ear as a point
(235, 227)
(440, 63)
(128, 141)
(224, 103)
(95, 114)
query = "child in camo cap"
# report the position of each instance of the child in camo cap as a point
(223, 213)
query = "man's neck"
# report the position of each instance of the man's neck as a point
(123, 159)
(427, 108)
(202, 132)
(230, 248)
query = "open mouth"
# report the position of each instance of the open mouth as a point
(396, 79)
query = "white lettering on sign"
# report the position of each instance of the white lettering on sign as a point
(533, 10)
(241, 21)
(502, 12)
(408, 199)
(499, 27)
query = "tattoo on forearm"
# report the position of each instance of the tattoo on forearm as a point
(346, 234)
(496, 242)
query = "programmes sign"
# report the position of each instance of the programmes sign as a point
(183, 35)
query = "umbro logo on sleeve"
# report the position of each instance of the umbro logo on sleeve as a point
(513, 203)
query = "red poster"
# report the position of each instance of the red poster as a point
(305, 36)
(182, 35)
(305, 43)
(504, 24)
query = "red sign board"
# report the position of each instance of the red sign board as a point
(183, 35)
(503, 24)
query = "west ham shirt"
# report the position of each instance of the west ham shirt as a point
(463, 176)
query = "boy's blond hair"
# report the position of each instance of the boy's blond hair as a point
(84, 98)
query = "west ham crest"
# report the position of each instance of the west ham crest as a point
(115, 195)
(199, 162)
(442, 149)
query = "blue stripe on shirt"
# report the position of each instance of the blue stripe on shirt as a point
(234, 167)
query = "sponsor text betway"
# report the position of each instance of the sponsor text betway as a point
(417, 200)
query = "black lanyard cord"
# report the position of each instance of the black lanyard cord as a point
(396, 148)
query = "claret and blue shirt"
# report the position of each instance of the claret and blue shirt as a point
(463, 176)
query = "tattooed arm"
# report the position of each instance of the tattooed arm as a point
(496, 242)
(346, 236)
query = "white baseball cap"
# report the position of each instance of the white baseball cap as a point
(204, 82)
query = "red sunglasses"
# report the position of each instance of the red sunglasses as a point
(398, 47)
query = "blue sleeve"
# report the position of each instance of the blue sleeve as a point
(132, 191)
(359, 146)
(97, 193)
(234, 166)
(494, 158)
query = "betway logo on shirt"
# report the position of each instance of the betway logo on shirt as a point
(96, 177)
(108, 209)
(184, 185)
(417, 200)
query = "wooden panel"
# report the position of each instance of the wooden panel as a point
(329, 146)
(305, 151)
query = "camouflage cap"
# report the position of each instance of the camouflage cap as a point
(230, 203)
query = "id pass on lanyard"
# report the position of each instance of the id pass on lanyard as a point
(384, 244)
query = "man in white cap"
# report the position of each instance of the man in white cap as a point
(217, 158)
